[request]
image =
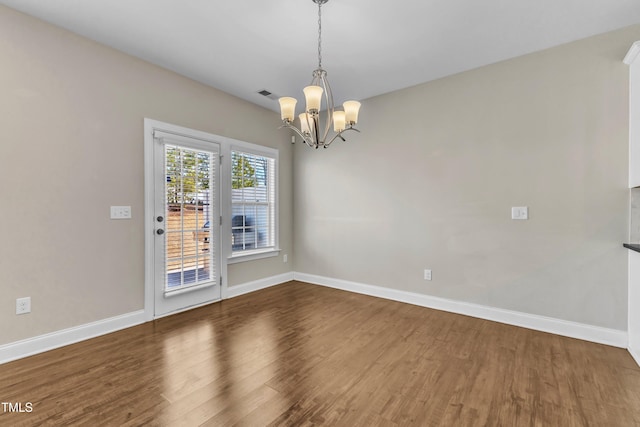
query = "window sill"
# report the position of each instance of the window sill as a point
(253, 255)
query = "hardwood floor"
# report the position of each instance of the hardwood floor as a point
(304, 355)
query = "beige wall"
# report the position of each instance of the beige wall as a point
(430, 182)
(72, 145)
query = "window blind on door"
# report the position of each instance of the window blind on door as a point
(189, 198)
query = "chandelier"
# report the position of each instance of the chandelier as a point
(310, 124)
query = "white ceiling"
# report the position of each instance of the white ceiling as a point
(370, 47)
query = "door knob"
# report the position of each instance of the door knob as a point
(159, 219)
(159, 231)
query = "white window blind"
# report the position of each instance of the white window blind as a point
(253, 202)
(189, 192)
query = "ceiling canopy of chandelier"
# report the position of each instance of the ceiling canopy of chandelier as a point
(342, 120)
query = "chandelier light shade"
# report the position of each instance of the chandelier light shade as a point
(287, 107)
(313, 95)
(351, 109)
(310, 129)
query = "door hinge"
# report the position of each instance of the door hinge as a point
(220, 219)
(220, 157)
(220, 280)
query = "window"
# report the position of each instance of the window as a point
(253, 202)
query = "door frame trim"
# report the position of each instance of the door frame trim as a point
(150, 126)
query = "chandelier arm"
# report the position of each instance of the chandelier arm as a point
(328, 96)
(316, 124)
(339, 135)
(312, 137)
(305, 138)
(295, 129)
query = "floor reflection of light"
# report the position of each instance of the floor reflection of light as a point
(251, 348)
(234, 365)
(187, 364)
(220, 369)
(254, 349)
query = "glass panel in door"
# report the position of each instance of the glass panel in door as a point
(189, 258)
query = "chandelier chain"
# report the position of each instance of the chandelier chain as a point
(319, 34)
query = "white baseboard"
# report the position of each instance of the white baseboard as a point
(39, 344)
(50, 341)
(565, 328)
(256, 285)
(635, 354)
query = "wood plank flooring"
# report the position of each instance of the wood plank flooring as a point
(304, 355)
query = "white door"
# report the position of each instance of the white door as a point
(186, 222)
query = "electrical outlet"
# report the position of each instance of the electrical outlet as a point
(23, 305)
(520, 212)
(427, 274)
(284, 258)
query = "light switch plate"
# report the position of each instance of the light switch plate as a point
(520, 212)
(120, 212)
